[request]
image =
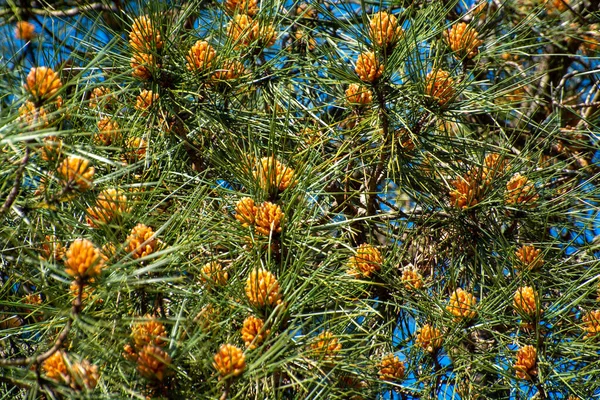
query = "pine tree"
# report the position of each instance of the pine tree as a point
(322, 200)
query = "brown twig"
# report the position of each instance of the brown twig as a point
(14, 192)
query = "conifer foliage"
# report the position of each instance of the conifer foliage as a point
(256, 199)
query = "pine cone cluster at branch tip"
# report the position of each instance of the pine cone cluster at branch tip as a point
(144, 37)
(440, 86)
(525, 300)
(520, 190)
(465, 192)
(526, 364)
(140, 242)
(100, 95)
(42, 82)
(52, 148)
(213, 273)
(30, 115)
(326, 345)
(229, 361)
(412, 279)
(230, 70)
(368, 68)
(304, 40)
(143, 64)
(249, 7)
(529, 257)
(391, 368)
(147, 332)
(243, 32)
(273, 174)
(365, 262)
(78, 375)
(108, 132)
(556, 7)
(253, 332)
(462, 305)
(145, 99)
(24, 30)
(84, 375)
(245, 211)
(262, 288)
(152, 362)
(358, 94)
(494, 165)
(268, 219)
(384, 29)
(463, 40)
(200, 57)
(136, 149)
(52, 248)
(110, 204)
(591, 321)
(34, 299)
(76, 172)
(83, 260)
(429, 338)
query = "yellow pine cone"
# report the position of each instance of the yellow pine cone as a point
(249, 7)
(145, 100)
(245, 211)
(140, 242)
(144, 37)
(136, 149)
(556, 7)
(365, 262)
(440, 86)
(42, 82)
(462, 305)
(110, 204)
(463, 40)
(391, 368)
(147, 332)
(55, 368)
(525, 300)
(229, 361)
(108, 132)
(30, 115)
(384, 29)
(526, 364)
(24, 30)
(143, 64)
(84, 375)
(464, 192)
(326, 345)
(520, 190)
(33, 299)
(152, 362)
(268, 218)
(368, 67)
(429, 338)
(262, 288)
(200, 57)
(412, 279)
(494, 165)
(243, 32)
(230, 70)
(100, 95)
(76, 173)
(83, 260)
(529, 257)
(214, 274)
(591, 322)
(358, 94)
(253, 332)
(273, 174)
(52, 148)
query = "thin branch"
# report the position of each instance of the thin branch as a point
(14, 192)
